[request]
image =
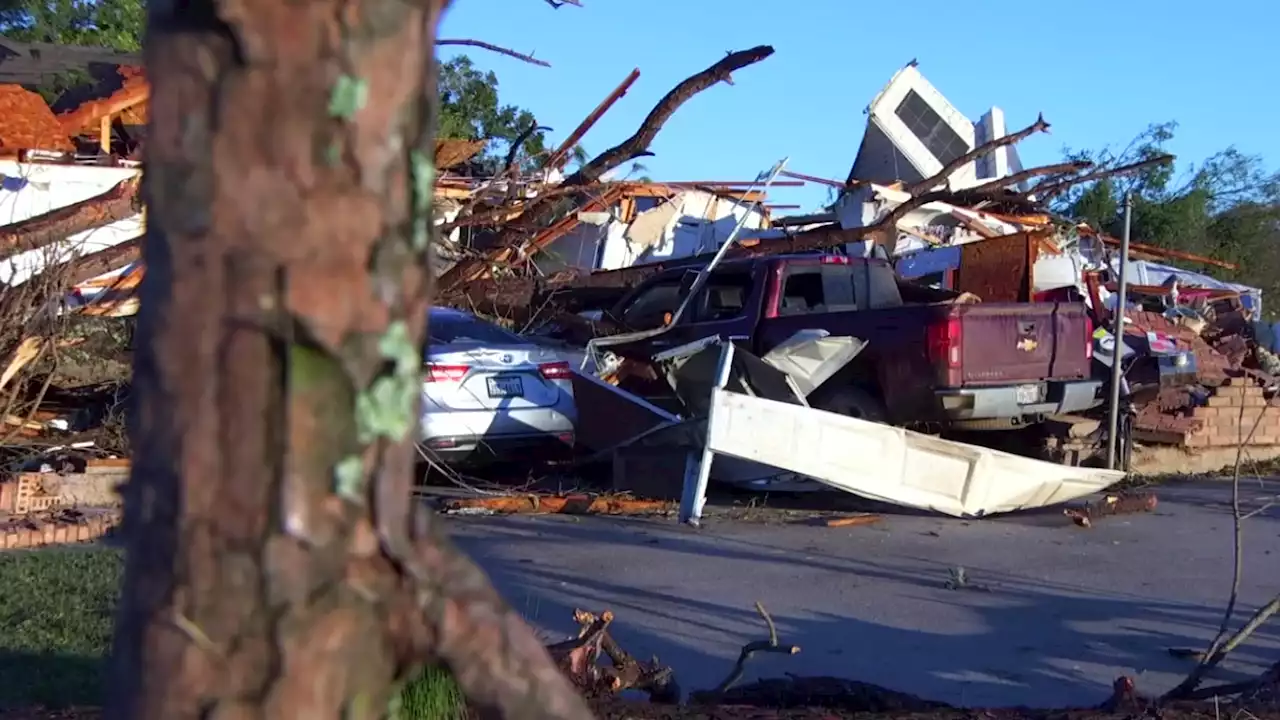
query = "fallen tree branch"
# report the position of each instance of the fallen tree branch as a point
(540, 212)
(1218, 649)
(768, 646)
(519, 142)
(120, 202)
(941, 176)
(995, 187)
(1044, 191)
(494, 48)
(720, 71)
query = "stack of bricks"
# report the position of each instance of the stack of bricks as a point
(57, 531)
(1236, 412)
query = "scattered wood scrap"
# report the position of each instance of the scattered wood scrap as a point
(1120, 504)
(851, 520)
(572, 504)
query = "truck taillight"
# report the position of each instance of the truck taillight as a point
(446, 373)
(944, 341)
(835, 260)
(1088, 338)
(555, 371)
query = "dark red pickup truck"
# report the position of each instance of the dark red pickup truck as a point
(979, 365)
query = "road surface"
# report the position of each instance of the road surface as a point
(1052, 615)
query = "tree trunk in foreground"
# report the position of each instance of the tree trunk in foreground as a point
(275, 568)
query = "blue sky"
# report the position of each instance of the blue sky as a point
(1099, 71)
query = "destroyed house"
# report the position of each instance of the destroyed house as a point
(101, 108)
(913, 131)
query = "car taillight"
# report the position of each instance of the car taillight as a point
(944, 342)
(446, 373)
(835, 260)
(555, 371)
(1088, 338)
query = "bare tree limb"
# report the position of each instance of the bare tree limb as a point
(941, 176)
(994, 187)
(769, 646)
(540, 213)
(519, 142)
(1218, 649)
(493, 48)
(1045, 191)
(638, 143)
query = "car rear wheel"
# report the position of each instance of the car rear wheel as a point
(850, 400)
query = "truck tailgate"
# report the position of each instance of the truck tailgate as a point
(1017, 342)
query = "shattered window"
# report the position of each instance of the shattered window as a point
(927, 125)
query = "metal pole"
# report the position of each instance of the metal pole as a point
(697, 473)
(1113, 411)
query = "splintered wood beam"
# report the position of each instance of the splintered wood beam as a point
(561, 154)
(104, 134)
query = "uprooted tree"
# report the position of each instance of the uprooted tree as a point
(275, 567)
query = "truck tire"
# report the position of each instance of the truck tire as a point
(850, 400)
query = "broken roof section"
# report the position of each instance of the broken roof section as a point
(913, 131)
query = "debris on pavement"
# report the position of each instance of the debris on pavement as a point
(1120, 504)
(852, 520)
(574, 504)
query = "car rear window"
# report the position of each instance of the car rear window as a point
(458, 328)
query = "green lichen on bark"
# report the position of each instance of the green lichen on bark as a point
(385, 409)
(320, 388)
(348, 97)
(423, 179)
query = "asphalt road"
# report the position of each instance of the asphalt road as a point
(1052, 615)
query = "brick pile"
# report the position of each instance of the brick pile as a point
(63, 527)
(1236, 412)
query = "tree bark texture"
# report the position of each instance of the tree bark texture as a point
(274, 565)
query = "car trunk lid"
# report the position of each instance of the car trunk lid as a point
(470, 377)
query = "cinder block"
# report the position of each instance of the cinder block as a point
(1205, 412)
(1221, 401)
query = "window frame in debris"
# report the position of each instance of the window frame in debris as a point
(930, 128)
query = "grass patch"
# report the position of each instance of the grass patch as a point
(57, 607)
(433, 695)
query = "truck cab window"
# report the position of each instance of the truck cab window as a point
(817, 289)
(802, 293)
(648, 308)
(724, 297)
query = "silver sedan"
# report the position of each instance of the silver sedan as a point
(490, 395)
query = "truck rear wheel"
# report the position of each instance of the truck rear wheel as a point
(850, 400)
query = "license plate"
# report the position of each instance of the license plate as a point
(1028, 394)
(503, 387)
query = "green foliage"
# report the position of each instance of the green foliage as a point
(116, 24)
(470, 110)
(1228, 208)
